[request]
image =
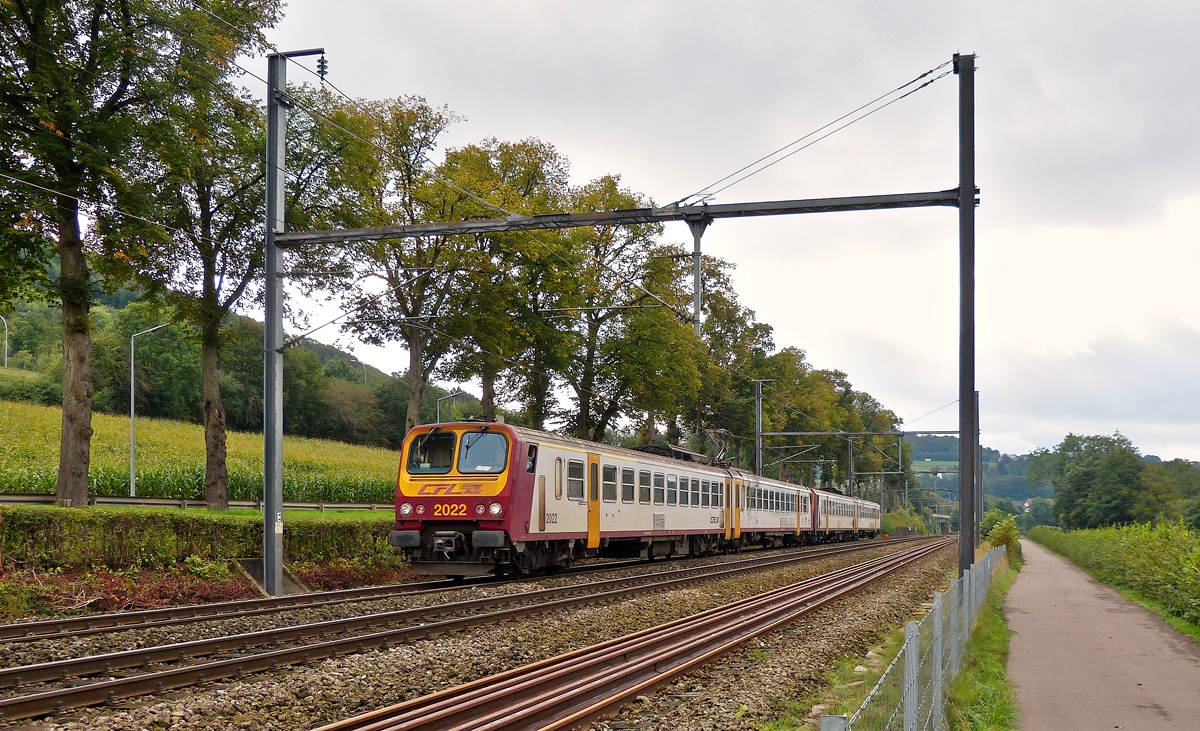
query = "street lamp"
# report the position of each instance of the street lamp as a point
(438, 406)
(5, 340)
(132, 446)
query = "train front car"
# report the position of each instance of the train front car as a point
(454, 497)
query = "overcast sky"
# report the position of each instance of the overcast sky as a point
(1088, 162)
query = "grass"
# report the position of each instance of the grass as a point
(171, 460)
(19, 374)
(845, 687)
(982, 698)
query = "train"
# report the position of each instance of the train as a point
(482, 497)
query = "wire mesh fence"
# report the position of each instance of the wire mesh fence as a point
(911, 693)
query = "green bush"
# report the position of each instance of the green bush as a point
(1003, 531)
(1161, 562)
(121, 538)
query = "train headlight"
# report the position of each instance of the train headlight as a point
(406, 509)
(495, 509)
(420, 509)
(479, 509)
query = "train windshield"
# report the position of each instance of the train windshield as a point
(483, 452)
(431, 453)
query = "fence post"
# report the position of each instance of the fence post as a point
(912, 673)
(936, 680)
(953, 634)
(965, 628)
(834, 723)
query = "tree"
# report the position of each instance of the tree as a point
(1096, 479)
(76, 77)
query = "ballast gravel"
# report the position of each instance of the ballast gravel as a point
(308, 696)
(38, 651)
(747, 688)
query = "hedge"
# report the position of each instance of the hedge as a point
(49, 537)
(1161, 562)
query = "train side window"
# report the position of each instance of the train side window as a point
(704, 494)
(574, 479)
(609, 484)
(715, 487)
(627, 485)
(695, 493)
(672, 490)
(660, 485)
(558, 478)
(683, 491)
(644, 488)
(531, 459)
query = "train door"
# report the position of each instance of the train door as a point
(857, 506)
(593, 501)
(737, 508)
(727, 513)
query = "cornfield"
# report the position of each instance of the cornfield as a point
(170, 460)
(1161, 562)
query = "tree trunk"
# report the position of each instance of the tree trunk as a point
(216, 474)
(75, 446)
(489, 394)
(416, 379)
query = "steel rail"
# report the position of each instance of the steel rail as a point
(568, 690)
(138, 657)
(37, 704)
(46, 629)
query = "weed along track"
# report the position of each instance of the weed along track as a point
(183, 664)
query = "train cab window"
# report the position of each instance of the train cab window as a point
(558, 478)
(626, 485)
(683, 491)
(574, 479)
(644, 488)
(531, 459)
(609, 484)
(695, 493)
(672, 490)
(431, 453)
(704, 494)
(482, 452)
(660, 485)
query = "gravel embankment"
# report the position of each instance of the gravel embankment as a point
(747, 688)
(302, 697)
(37, 651)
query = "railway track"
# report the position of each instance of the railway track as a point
(571, 689)
(49, 629)
(355, 634)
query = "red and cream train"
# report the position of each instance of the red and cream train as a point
(475, 498)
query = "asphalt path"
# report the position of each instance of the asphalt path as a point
(1084, 657)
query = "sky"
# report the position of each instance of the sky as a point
(1088, 161)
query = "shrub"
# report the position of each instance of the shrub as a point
(1161, 562)
(121, 538)
(1004, 532)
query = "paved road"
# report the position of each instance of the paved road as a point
(1084, 657)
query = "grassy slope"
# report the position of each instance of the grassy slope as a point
(982, 698)
(171, 460)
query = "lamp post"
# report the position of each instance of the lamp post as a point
(5, 340)
(132, 411)
(451, 395)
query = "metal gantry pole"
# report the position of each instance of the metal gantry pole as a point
(697, 225)
(980, 499)
(5, 340)
(758, 428)
(277, 105)
(964, 67)
(273, 334)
